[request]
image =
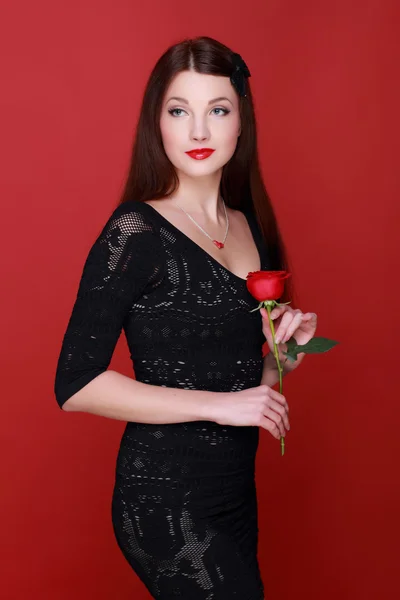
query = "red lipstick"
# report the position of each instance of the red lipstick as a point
(200, 153)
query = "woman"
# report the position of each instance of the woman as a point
(169, 268)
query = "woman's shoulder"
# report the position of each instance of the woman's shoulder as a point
(130, 233)
(134, 207)
(130, 217)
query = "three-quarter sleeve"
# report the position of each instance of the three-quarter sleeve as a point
(125, 258)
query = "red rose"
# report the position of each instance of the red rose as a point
(266, 285)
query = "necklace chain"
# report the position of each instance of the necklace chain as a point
(216, 242)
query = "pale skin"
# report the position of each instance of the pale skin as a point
(198, 120)
(288, 322)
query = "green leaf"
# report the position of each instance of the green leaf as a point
(316, 345)
(290, 355)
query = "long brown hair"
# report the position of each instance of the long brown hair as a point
(152, 175)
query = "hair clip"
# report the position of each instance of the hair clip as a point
(239, 74)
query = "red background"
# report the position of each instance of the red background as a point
(325, 76)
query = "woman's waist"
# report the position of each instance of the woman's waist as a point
(201, 442)
(219, 374)
(196, 454)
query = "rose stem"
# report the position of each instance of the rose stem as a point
(267, 305)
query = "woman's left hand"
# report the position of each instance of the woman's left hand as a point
(289, 322)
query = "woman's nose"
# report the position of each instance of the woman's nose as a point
(200, 131)
(199, 138)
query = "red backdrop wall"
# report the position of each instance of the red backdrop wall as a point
(326, 85)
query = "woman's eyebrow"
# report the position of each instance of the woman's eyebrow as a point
(187, 102)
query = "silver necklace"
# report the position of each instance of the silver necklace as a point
(216, 242)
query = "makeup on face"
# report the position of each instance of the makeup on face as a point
(198, 110)
(200, 153)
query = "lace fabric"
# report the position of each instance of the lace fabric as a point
(184, 506)
(124, 260)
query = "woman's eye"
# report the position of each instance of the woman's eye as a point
(173, 111)
(224, 110)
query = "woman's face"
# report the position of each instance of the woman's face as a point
(206, 115)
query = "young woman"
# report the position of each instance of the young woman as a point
(169, 268)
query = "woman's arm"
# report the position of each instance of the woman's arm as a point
(270, 374)
(125, 261)
(116, 396)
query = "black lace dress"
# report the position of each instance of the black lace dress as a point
(184, 508)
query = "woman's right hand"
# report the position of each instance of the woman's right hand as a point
(261, 406)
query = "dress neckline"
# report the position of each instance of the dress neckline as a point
(189, 240)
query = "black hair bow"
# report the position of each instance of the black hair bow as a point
(239, 74)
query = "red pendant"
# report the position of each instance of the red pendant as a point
(218, 244)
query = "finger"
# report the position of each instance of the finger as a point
(275, 395)
(266, 325)
(277, 419)
(271, 427)
(280, 410)
(283, 326)
(274, 314)
(298, 319)
(309, 316)
(277, 311)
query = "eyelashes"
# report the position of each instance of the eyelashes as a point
(173, 110)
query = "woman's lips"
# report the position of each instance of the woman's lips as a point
(200, 153)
